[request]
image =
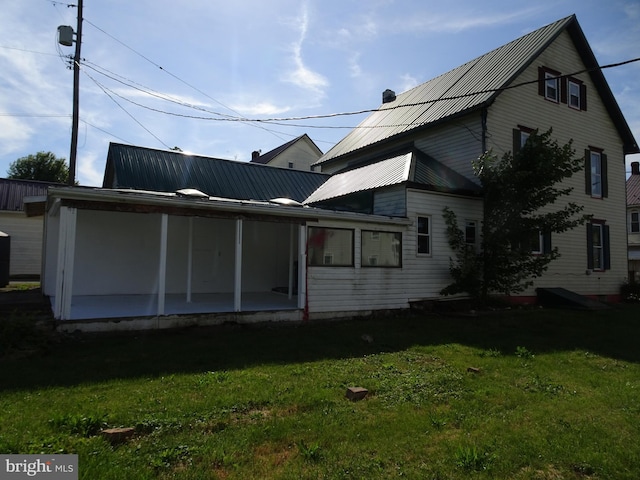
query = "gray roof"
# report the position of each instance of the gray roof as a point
(414, 167)
(270, 155)
(472, 86)
(142, 168)
(13, 191)
(633, 190)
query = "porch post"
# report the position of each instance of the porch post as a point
(302, 266)
(237, 289)
(190, 260)
(291, 258)
(162, 267)
(66, 257)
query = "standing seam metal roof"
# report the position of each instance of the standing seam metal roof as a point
(471, 86)
(165, 171)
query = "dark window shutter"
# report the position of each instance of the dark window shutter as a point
(517, 140)
(583, 97)
(605, 247)
(587, 171)
(589, 246)
(541, 76)
(546, 242)
(605, 181)
(563, 89)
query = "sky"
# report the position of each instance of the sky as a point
(164, 74)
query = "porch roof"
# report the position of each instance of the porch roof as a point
(173, 203)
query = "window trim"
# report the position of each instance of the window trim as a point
(604, 182)
(467, 223)
(605, 248)
(545, 76)
(635, 222)
(325, 253)
(578, 84)
(427, 235)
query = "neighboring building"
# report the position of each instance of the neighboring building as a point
(171, 237)
(23, 223)
(299, 154)
(633, 219)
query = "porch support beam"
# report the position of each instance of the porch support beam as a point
(162, 267)
(190, 261)
(302, 266)
(237, 288)
(66, 257)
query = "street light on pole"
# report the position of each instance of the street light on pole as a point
(65, 37)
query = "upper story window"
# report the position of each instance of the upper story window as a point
(549, 84)
(634, 222)
(470, 232)
(595, 168)
(558, 89)
(520, 137)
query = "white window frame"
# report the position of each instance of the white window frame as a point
(467, 225)
(596, 174)
(426, 235)
(540, 248)
(551, 84)
(634, 223)
(598, 247)
(573, 91)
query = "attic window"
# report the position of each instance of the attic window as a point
(548, 84)
(577, 94)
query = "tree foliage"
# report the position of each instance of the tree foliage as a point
(521, 193)
(44, 166)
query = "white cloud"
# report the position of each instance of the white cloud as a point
(301, 75)
(260, 108)
(408, 82)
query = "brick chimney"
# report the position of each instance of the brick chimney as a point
(255, 154)
(635, 168)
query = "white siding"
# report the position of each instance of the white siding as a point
(26, 242)
(301, 154)
(351, 289)
(523, 106)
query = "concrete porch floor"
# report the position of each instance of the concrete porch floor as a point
(86, 307)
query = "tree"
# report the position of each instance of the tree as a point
(521, 211)
(44, 166)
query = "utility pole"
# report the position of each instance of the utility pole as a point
(76, 100)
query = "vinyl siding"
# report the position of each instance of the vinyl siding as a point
(351, 289)
(456, 144)
(26, 242)
(301, 154)
(523, 106)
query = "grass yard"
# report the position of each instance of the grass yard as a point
(556, 395)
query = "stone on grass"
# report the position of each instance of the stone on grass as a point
(356, 393)
(473, 370)
(118, 435)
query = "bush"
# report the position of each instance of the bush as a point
(630, 292)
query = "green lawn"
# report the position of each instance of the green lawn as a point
(557, 396)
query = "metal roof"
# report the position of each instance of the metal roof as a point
(142, 168)
(13, 191)
(472, 86)
(415, 168)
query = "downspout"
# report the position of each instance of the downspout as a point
(483, 121)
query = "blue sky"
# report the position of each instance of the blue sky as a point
(257, 59)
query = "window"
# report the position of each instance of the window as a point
(381, 249)
(598, 246)
(548, 84)
(470, 232)
(290, 164)
(634, 224)
(520, 137)
(330, 247)
(576, 95)
(596, 173)
(424, 235)
(537, 244)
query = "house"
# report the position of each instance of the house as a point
(548, 78)
(22, 220)
(633, 219)
(299, 153)
(174, 239)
